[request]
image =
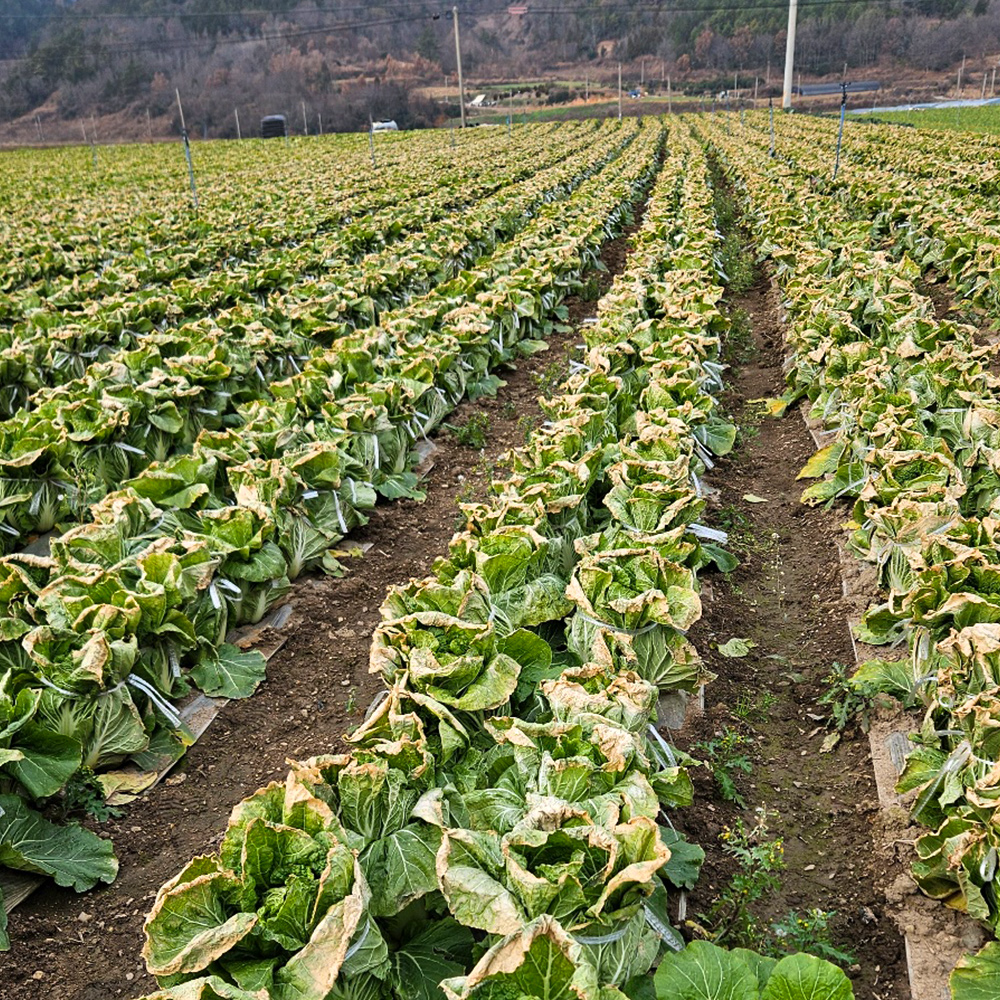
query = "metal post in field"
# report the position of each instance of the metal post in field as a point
(670, 103)
(756, 81)
(319, 115)
(239, 133)
(770, 104)
(149, 125)
(619, 91)
(510, 111)
(187, 151)
(371, 140)
(458, 59)
(305, 121)
(840, 133)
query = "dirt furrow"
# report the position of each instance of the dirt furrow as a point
(785, 597)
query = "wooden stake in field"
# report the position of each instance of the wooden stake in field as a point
(371, 140)
(319, 115)
(756, 81)
(187, 151)
(670, 103)
(305, 121)
(619, 91)
(239, 133)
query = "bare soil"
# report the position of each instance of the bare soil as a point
(70, 947)
(787, 597)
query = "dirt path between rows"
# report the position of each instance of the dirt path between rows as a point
(786, 597)
(70, 947)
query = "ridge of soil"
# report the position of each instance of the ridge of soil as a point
(66, 946)
(787, 597)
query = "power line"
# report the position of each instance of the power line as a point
(669, 8)
(66, 14)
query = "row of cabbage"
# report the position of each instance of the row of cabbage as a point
(904, 183)
(65, 215)
(152, 395)
(500, 827)
(129, 611)
(273, 307)
(916, 413)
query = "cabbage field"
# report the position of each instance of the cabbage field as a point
(206, 408)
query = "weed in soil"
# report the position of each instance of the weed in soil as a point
(474, 433)
(725, 756)
(732, 920)
(786, 596)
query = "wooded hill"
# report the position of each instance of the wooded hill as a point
(74, 59)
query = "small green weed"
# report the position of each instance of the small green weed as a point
(737, 263)
(550, 378)
(760, 860)
(846, 703)
(474, 432)
(509, 409)
(809, 932)
(755, 706)
(83, 793)
(725, 758)
(351, 705)
(590, 290)
(740, 345)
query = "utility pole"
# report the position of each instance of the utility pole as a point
(619, 91)
(239, 133)
(793, 13)
(458, 59)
